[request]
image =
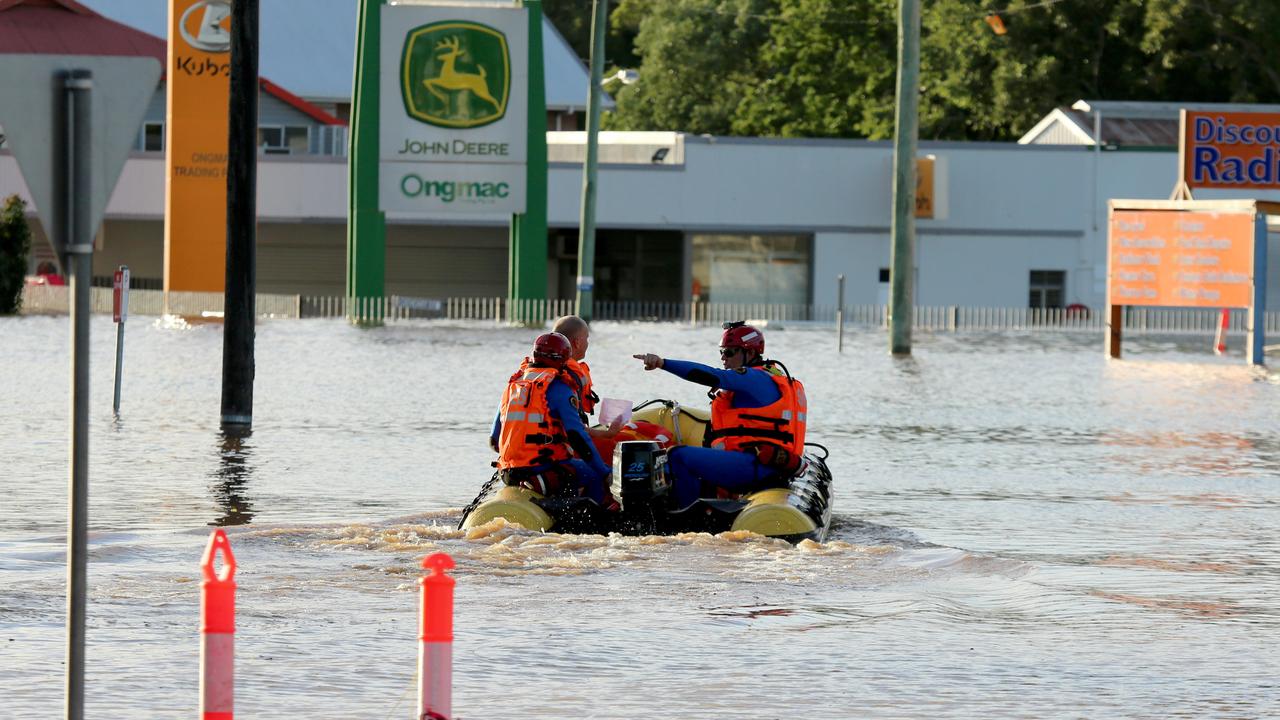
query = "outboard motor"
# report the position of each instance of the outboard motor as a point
(640, 484)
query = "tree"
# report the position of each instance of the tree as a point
(15, 245)
(698, 58)
(573, 19)
(827, 68)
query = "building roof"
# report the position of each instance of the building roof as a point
(309, 46)
(1122, 123)
(67, 27)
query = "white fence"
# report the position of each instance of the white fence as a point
(54, 299)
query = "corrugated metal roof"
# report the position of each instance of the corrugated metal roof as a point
(69, 28)
(1123, 131)
(309, 47)
(1124, 123)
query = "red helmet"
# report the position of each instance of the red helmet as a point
(742, 335)
(552, 349)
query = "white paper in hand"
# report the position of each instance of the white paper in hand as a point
(611, 408)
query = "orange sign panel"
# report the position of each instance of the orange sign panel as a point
(196, 126)
(1181, 258)
(1230, 149)
(924, 187)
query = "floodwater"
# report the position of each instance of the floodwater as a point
(1023, 530)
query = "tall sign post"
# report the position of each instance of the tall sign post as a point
(196, 112)
(527, 271)
(902, 252)
(70, 120)
(366, 223)
(587, 224)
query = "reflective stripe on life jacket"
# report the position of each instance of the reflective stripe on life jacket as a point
(581, 374)
(781, 423)
(530, 434)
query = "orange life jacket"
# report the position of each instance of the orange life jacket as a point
(587, 397)
(530, 434)
(780, 424)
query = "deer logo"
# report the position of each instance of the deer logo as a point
(456, 74)
(451, 79)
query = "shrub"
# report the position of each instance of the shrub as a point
(15, 245)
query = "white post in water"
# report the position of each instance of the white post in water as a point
(840, 313)
(119, 313)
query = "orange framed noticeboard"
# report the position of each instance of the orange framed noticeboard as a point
(1179, 258)
(1188, 254)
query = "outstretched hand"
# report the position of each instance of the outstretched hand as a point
(651, 361)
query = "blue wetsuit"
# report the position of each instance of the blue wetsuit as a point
(698, 471)
(588, 469)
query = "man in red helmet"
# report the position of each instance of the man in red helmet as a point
(758, 420)
(538, 431)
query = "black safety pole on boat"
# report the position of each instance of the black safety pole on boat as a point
(242, 163)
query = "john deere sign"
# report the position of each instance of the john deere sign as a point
(456, 74)
(454, 110)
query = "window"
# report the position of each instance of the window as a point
(1047, 288)
(884, 275)
(771, 269)
(284, 140)
(151, 138)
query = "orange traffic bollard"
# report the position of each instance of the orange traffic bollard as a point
(1220, 342)
(435, 640)
(217, 631)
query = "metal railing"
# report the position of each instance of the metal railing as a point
(952, 318)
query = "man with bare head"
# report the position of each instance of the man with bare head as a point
(579, 334)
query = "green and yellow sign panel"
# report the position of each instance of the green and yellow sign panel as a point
(454, 111)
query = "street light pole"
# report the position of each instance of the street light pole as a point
(902, 260)
(587, 219)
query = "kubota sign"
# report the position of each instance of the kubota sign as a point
(453, 110)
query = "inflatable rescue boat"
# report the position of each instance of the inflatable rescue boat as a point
(640, 483)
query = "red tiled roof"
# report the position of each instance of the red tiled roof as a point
(65, 27)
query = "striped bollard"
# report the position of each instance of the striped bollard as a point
(217, 631)
(1220, 342)
(435, 640)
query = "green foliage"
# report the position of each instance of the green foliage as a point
(15, 244)
(573, 19)
(827, 68)
(698, 58)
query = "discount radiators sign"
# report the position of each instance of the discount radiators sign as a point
(1177, 258)
(1230, 149)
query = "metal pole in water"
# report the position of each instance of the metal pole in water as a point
(77, 87)
(587, 223)
(435, 640)
(902, 261)
(242, 164)
(840, 313)
(120, 313)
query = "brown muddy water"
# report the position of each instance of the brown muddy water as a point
(1023, 530)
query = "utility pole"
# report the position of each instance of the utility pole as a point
(242, 175)
(78, 238)
(902, 254)
(587, 220)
